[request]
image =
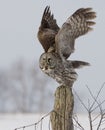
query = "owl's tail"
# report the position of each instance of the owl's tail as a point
(79, 64)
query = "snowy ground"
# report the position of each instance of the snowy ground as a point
(12, 121)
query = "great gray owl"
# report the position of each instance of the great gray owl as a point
(58, 43)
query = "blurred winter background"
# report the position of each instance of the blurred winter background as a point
(23, 87)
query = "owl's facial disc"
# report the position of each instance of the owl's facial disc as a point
(47, 62)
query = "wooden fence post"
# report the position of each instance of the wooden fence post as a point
(61, 116)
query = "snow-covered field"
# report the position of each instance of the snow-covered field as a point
(12, 121)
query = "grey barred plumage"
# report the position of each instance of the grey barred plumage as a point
(76, 25)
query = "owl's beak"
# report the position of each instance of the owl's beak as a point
(45, 68)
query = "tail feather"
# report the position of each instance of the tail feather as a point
(79, 64)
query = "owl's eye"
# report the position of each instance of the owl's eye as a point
(49, 60)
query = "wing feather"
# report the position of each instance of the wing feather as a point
(48, 29)
(48, 20)
(76, 25)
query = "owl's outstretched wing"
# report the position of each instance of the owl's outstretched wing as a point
(78, 24)
(48, 29)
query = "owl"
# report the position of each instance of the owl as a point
(58, 43)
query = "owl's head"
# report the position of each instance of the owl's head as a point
(47, 62)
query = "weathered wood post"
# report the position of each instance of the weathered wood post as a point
(61, 116)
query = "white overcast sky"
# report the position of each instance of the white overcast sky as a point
(19, 22)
